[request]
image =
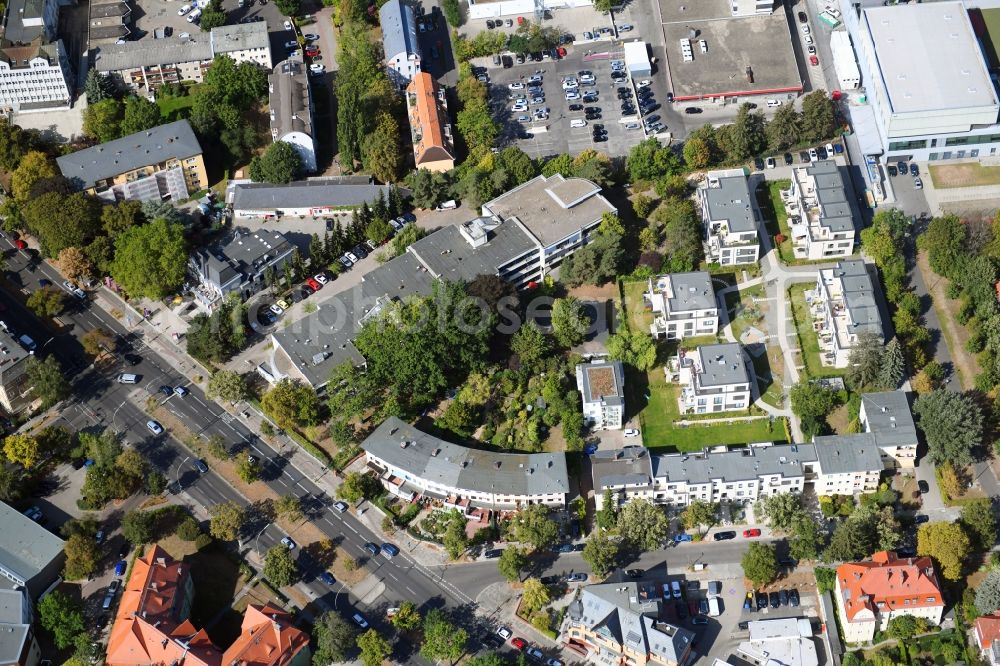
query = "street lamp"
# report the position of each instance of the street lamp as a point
(255, 541)
(177, 473)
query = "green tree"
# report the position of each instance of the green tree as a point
(62, 617)
(137, 527)
(944, 241)
(455, 541)
(784, 129)
(979, 522)
(697, 153)
(812, 403)
(601, 553)
(280, 567)
(818, 116)
(643, 525)
(532, 525)
(782, 511)
(226, 521)
(407, 617)
(102, 121)
(248, 469)
(760, 564)
(34, 167)
(952, 424)
(681, 229)
(452, 12)
(905, 627)
(428, 188)
(442, 638)
(381, 152)
(406, 237)
(21, 448)
(634, 348)
(947, 544)
(511, 563)
(98, 87)
(290, 404)
(60, 221)
(46, 302)
(530, 344)
(228, 385)
(569, 321)
(883, 240)
(807, 540)
(151, 260)
(82, 556)
(290, 508)
(333, 638)
(280, 163)
(699, 513)
(357, 486)
(212, 16)
(648, 160)
(748, 136)
(988, 593)
(47, 381)
(535, 596)
(893, 367)
(865, 360)
(141, 114)
(374, 648)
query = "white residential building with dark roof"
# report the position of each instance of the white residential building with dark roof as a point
(311, 197)
(30, 556)
(843, 306)
(782, 642)
(410, 462)
(602, 390)
(291, 110)
(399, 42)
(18, 643)
(620, 623)
(713, 378)
(35, 68)
(729, 218)
(851, 464)
(887, 416)
(238, 265)
(15, 389)
(819, 215)
(683, 305)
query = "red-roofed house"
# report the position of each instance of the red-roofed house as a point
(987, 632)
(268, 639)
(869, 594)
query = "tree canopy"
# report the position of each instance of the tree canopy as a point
(281, 163)
(952, 424)
(151, 260)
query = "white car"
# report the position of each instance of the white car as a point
(504, 633)
(523, 119)
(631, 432)
(351, 257)
(829, 150)
(809, 39)
(319, 277)
(317, 68)
(288, 25)
(805, 29)
(276, 309)
(572, 95)
(643, 84)
(183, 10)
(154, 427)
(534, 78)
(515, 86)
(194, 16)
(813, 155)
(519, 107)
(772, 103)
(771, 163)
(292, 44)
(569, 83)
(625, 27)
(288, 543)
(587, 78)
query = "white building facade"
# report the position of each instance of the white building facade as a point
(683, 305)
(602, 390)
(819, 215)
(713, 378)
(843, 307)
(729, 218)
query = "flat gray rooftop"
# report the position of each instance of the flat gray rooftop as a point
(552, 208)
(26, 547)
(152, 52)
(631, 466)
(731, 201)
(733, 45)
(450, 256)
(722, 364)
(745, 464)
(888, 417)
(404, 447)
(859, 296)
(831, 193)
(240, 37)
(847, 454)
(314, 193)
(691, 291)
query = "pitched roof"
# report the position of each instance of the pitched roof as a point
(153, 146)
(27, 548)
(988, 630)
(896, 583)
(399, 29)
(432, 146)
(289, 99)
(267, 639)
(151, 626)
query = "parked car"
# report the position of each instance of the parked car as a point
(724, 536)
(360, 620)
(201, 466)
(372, 548)
(775, 599)
(793, 598)
(154, 427)
(120, 567)
(563, 548)
(288, 543)
(327, 578)
(699, 620)
(390, 550)
(692, 109)
(340, 506)
(534, 653)
(504, 632)
(634, 573)
(749, 534)
(923, 487)
(761, 601)
(578, 577)
(680, 538)
(518, 642)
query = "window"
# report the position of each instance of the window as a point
(908, 145)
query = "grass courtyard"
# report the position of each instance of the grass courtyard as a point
(808, 340)
(775, 218)
(967, 174)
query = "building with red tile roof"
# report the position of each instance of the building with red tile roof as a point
(433, 148)
(268, 639)
(987, 632)
(871, 593)
(152, 628)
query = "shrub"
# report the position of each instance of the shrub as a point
(202, 541)
(188, 530)
(780, 238)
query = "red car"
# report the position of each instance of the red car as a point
(20, 244)
(813, 60)
(561, 51)
(312, 52)
(751, 533)
(315, 286)
(518, 643)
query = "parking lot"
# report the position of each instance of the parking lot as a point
(556, 133)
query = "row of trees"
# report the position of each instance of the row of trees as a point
(111, 118)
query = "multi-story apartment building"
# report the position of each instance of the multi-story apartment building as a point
(18, 642)
(35, 68)
(410, 463)
(887, 416)
(399, 42)
(869, 594)
(291, 111)
(268, 637)
(843, 307)
(683, 305)
(730, 223)
(713, 378)
(620, 623)
(782, 642)
(602, 390)
(851, 464)
(945, 107)
(31, 557)
(238, 265)
(109, 22)
(819, 215)
(986, 631)
(521, 237)
(144, 65)
(15, 389)
(430, 130)
(162, 163)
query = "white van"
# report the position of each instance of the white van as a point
(771, 103)
(128, 378)
(713, 607)
(194, 16)
(578, 122)
(448, 205)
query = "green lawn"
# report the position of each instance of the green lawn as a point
(175, 108)
(808, 341)
(659, 412)
(775, 218)
(635, 314)
(736, 302)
